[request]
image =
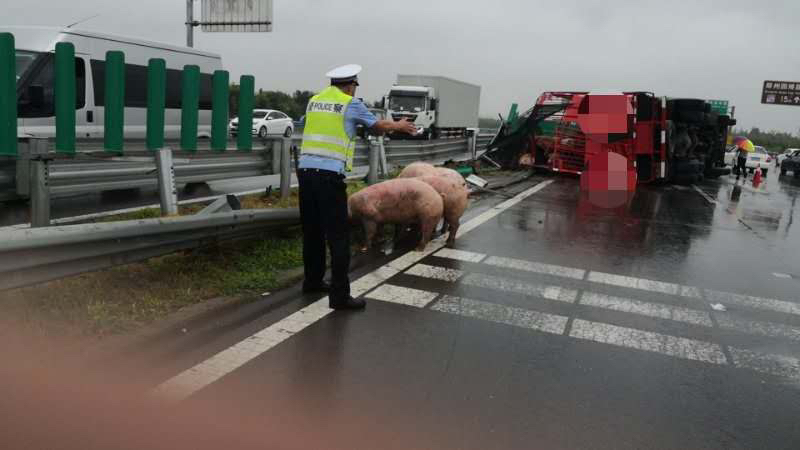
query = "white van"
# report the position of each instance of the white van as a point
(35, 48)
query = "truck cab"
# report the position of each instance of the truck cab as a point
(417, 104)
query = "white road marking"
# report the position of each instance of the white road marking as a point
(494, 212)
(778, 365)
(529, 266)
(203, 374)
(727, 298)
(782, 275)
(460, 255)
(238, 355)
(705, 196)
(612, 279)
(661, 287)
(436, 273)
(769, 329)
(556, 293)
(402, 295)
(548, 323)
(648, 309)
(648, 341)
(678, 347)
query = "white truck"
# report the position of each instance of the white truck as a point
(438, 106)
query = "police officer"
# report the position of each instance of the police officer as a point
(326, 154)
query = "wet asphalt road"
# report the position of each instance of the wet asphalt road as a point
(555, 324)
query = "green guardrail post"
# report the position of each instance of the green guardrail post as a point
(190, 107)
(115, 101)
(65, 97)
(244, 139)
(156, 102)
(219, 110)
(8, 96)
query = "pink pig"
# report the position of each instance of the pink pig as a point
(401, 201)
(417, 169)
(455, 195)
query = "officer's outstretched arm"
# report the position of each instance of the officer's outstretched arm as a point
(402, 126)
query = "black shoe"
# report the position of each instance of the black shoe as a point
(321, 288)
(348, 303)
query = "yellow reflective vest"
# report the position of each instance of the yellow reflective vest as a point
(324, 133)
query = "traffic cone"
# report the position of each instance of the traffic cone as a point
(757, 178)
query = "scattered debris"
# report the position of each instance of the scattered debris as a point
(185, 331)
(477, 181)
(265, 294)
(782, 275)
(718, 307)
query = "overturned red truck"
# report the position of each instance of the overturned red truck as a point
(679, 140)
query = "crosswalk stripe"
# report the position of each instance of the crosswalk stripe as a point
(677, 347)
(660, 287)
(648, 341)
(556, 293)
(435, 273)
(752, 302)
(402, 295)
(648, 309)
(529, 266)
(609, 302)
(548, 323)
(460, 255)
(768, 329)
(778, 365)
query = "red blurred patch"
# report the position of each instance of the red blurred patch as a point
(610, 181)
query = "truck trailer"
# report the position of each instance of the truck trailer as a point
(680, 140)
(438, 106)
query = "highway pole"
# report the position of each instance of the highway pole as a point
(286, 167)
(374, 149)
(39, 179)
(167, 193)
(382, 151)
(190, 23)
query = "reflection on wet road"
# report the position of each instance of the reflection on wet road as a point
(552, 324)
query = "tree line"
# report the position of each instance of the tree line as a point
(773, 141)
(294, 105)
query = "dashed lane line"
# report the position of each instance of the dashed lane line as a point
(203, 374)
(660, 287)
(663, 311)
(603, 333)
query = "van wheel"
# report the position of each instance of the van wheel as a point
(262, 133)
(288, 132)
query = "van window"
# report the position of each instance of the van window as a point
(23, 61)
(136, 86)
(44, 77)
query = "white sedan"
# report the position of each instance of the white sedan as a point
(266, 122)
(758, 158)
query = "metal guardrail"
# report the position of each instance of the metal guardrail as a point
(92, 170)
(39, 255)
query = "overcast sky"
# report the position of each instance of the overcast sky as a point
(514, 49)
